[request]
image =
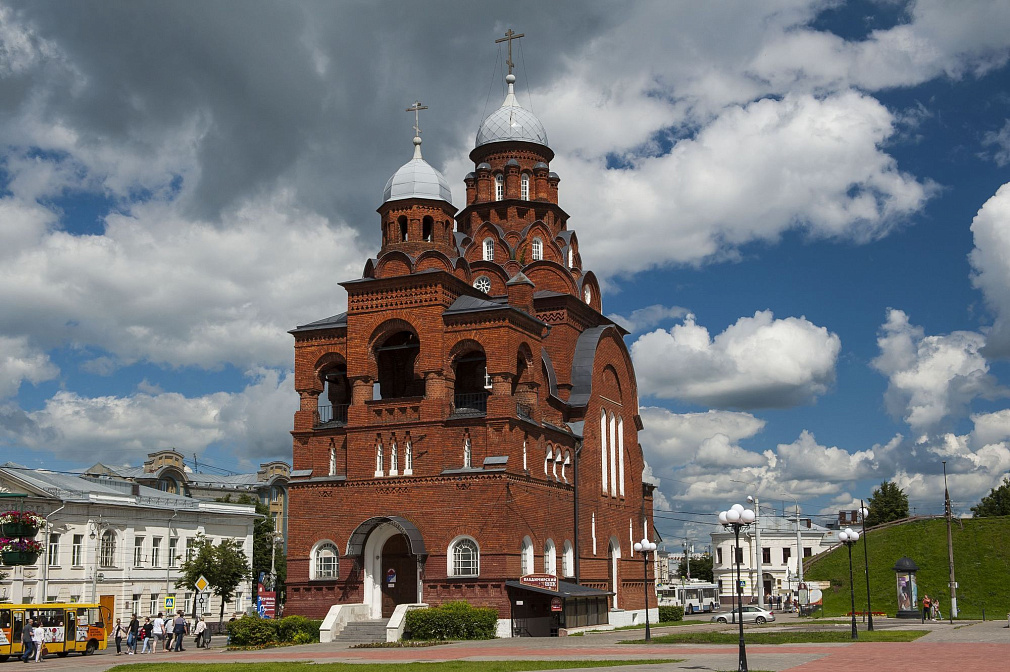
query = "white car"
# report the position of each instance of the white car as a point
(750, 615)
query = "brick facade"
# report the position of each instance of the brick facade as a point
(480, 388)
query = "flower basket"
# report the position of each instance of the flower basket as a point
(19, 524)
(14, 558)
(18, 530)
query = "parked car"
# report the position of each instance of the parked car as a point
(750, 615)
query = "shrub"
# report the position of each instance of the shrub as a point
(297, 629)
(252, 630)
(671, 614)
(452, 620)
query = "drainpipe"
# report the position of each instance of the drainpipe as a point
(45, 565)
(168, 565)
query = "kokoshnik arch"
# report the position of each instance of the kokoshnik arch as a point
(473, 417)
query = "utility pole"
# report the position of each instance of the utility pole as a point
(950, 545)
(687, 557)
(799, 549)
(758, 553)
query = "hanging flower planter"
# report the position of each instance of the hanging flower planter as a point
(15, 552)
(17, 524)
(16, 558)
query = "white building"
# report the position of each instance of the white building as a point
(117, 542)
(780, 555)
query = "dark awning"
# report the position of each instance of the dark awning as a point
(565, 589)
(356, 544)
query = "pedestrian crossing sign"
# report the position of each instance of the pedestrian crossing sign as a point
(170, 603)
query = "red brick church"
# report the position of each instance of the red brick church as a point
(472, 419)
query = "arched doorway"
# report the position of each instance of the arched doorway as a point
(389, 543)
(399, 575)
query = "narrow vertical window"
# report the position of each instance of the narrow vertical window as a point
(524, 187)
(538, 249)
(587, 294)
(77, 554)
(138, 551)
(620, 455)
(333, 460)
(378, 456)
(524, 455)
(526, 557)
(393, 467)
(594, 532)
(603, 449)
(568, 559)
(571, 258)
(499, 187)
(550, 558)
(54, 550)
(467, 452)
(489, 249)
(548, 460)
(427, 226)
(156, 552)
(613, 456)
(173, 551)
(402, 221)
(408, 458)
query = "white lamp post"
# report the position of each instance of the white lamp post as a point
(738, 517)
(848, 536)
(645, 547)
(863, 513)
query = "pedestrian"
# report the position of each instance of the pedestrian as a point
(926, 607)
(131, 637)
(147, 636)
(118, 633)
(199, 629)
(936, 610)
(179, 629)
(38, 639)
(158, 632)
(27, 643)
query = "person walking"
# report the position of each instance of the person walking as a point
(926, 606)
(118, 633)
(179, 630)
(158, 632)
(131, 637)
(147, 636)
(199, 629)
(936, 610)
(38, 639)
(27, 643)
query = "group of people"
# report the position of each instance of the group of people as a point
(167, 631)
(33, 641)
(931, 609)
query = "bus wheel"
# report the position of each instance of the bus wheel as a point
(91, 647)
(62, 654)
(3, 659)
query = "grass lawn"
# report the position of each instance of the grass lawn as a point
(661, 624)
(445, 666)
(823, 637)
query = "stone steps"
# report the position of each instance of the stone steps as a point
(362, 632)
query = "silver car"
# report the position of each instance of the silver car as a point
(750, 615)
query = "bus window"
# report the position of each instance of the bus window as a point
(5, 619)
(19, 623)
(82, 616)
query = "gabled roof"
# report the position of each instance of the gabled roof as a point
(326, 323)
(472, 304)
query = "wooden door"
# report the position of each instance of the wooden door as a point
(108, 611)
(399, 575)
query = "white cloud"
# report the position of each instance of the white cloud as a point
(806, 459)
(758, 362)
(19, 362)
(990, 260)
(648, 317)
(1001, 140)
(931, 379)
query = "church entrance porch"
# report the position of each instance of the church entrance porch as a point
(393, 554)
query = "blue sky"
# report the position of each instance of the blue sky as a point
(800, 199)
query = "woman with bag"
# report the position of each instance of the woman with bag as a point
(118, 633)
(199, 629)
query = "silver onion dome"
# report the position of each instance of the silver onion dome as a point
(417, 179)
(511, 121)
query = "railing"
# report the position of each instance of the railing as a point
(326, 413)
(473, 403)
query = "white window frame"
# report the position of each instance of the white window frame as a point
(138, 551)
(319, 571)
(550, 557)
(499, 187)
(613, 455)
(467, 452)
(620, 454)
(524, 187)
(155, 553)
(526, 556)
(455, 548)
(173, 551)
(408, 458)
(107, 549)
(53, 550)
(394, 468)
(568, 559)
(537, 252)
(77, 551)
(488, 249)
(378, 457)
(604, 459)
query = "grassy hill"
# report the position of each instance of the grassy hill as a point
(981, 566)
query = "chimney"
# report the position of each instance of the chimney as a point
(520, 292)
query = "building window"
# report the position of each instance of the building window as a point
(465, 557)
(156, 552)
(587, 294)
(135, 604)
(538, 249)
(499, 187)
(548, 460)
(467, 452)
(327, 561)
(524, 187)
(408, 458)
(394, 468)
(603, 448)
(155, 608)
(526, 559)
(739, 556)
(378, 456)
(77, 553)
(489, 249)
(138, 551)
(718, 556)
(189, 551)
(568, 560)
(550, 558)
(107, 556)
(482, 284)
(402, 222)
(571, 258)
(54, 550)
(786, 554)
(613, 455)
(173, 551)
(807, 551)
(427, 225)
(766, 556)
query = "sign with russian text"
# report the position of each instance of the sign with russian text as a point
(545, 581)
(555, 604)
(266, 604)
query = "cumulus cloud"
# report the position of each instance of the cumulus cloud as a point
(19, 362)
(806, 459)
(990, 261)
(931, 380)
(758, 362)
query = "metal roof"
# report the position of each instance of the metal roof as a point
(417, 179)
(325, 323)
(511, 121)
(565, 589)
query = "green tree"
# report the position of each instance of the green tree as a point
(996, 503)
(887, 503)
(263, 539)
(224, 566)
(701, 568)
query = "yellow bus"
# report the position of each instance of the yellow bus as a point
(66, 627)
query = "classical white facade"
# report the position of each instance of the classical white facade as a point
(780, 555)
(119, 543)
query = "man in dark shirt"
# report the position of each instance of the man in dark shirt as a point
(179, 628)
(27, 642)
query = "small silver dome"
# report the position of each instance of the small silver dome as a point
(483, 165)
(511, 121)
(540, 165)
(417, 179)
(511, 162)
(554, 176)
(470, 176)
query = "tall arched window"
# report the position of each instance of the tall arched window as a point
(499, 187)
(427, 226)
(393, 467)
(604, 459)
(549, 460)
(108, 549)
(613, 554)
(620, 454)
(538, 249)
(327, 561)
(464, 557)
(613, 455)
(550, 558)
(378, 456)
(587, 294)
(526, 557)
(402, 222)
(568, 560)
(408, 458)
(571, 258)
(564, 466)
(489, 249)
(524, 187)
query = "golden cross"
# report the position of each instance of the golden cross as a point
(509, 36)
(415, 108)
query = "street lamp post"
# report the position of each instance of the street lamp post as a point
(848, 536)
(863, 512)
(738, 517)
(645, 547)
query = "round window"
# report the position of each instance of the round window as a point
(483, 283)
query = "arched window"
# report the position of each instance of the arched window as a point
(538, 249)
(550, 558)
(326, 561)
(613, 455)
(108, 549)
(524, 187)
(499, 187)
(402, 221)
(568, 560)
(393, 467)
(603, 449)
(427, 225)
(613, 555)
(549, 460)
(620, 454)
(489, 249)
(467, 452)
(464, 557)
(378, 456)
(408, 458)
(564, 466)
(526, 557)
(558, 460)
(571, 257)
(587, 294)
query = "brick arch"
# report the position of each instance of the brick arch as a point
(498, 275)
(380, 334)
(552, 276)
(433, 260)
(589, 280)
(610, 377)
(462, 347)
(392, 263)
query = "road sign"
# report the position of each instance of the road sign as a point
(170, 603)
(202, 583)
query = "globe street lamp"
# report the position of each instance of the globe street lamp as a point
(848, 536)
(863, 513)
(738, 517)
(645, 547)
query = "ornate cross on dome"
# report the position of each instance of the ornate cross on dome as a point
(509, 36)
(415, 108)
